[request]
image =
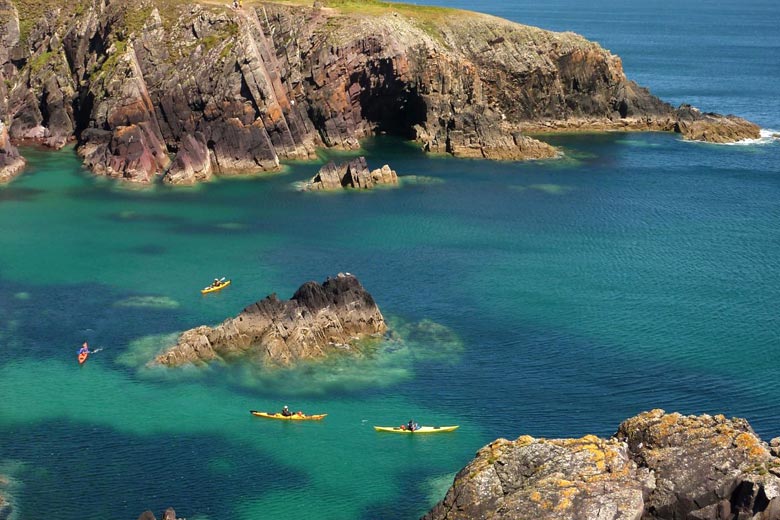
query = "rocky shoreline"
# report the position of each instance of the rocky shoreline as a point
(182, 91)
(318, 320)
(656, 466)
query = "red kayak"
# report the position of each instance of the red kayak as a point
(83, 357)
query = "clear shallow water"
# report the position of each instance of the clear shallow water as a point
(550, 298)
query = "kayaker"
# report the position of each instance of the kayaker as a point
(84, 348)
(286, 411)
(215, 283)
(412, 426)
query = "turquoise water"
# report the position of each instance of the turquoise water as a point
(549, 298)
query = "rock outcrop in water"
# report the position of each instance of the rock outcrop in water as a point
(696, 125)
(657, 466)
(316, 321)
(169, 514)
(186, 90)
(352, 174)
(11, 163)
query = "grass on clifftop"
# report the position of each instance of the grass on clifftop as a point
(427, 18)
(371, 8)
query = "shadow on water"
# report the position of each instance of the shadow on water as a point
(153, 470)
(51, 321)
(18, 194)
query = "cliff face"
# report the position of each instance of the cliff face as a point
(657, 466)
(170, 87)
(317, 320)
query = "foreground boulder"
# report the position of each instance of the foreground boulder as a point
(316, 321)
(657, 466)
(352, 174)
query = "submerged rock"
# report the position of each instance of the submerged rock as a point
(316, 321)
(352, 174)
(657, 466)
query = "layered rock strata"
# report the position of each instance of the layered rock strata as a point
(352, 174)
(318, 320)
(185, 91)
(657, 466)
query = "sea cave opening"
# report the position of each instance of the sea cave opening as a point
(391, 104)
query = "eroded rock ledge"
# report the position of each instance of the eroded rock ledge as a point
(316, 321)
(351, 174)
(182, 91)
(657, 466)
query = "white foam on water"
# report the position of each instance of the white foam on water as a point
(767, 136)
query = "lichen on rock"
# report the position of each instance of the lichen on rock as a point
(657, 466)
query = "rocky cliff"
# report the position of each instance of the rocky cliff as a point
(316, 321)
(657, 466)
(185, 90)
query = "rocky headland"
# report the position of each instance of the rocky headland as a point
(657, 466)
(318, 320)
(186, 90)
(351, 174)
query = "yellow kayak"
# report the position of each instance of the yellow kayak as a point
(214, 288)
(293, 417)
(423, 429)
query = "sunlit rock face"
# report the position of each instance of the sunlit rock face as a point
(657, 466)
(316, 321)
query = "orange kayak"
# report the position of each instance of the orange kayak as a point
(83, 357)
(293, 417)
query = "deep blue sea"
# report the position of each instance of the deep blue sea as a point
(551, 298)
